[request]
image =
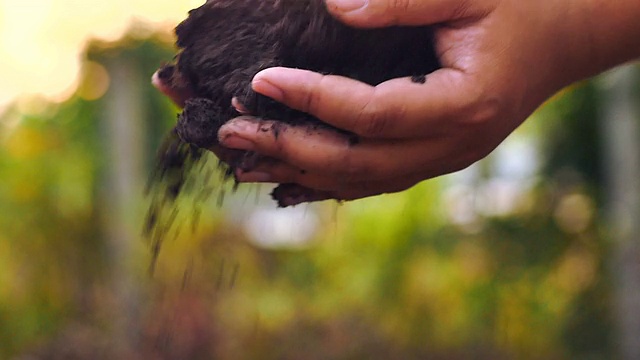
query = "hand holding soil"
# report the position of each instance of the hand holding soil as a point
(500, 60)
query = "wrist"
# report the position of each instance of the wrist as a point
(612, 29)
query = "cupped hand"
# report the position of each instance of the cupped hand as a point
(500, 60)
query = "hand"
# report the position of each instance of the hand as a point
(501, 59)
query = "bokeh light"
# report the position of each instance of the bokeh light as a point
(42, 41)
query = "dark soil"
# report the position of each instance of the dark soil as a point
(224, 43)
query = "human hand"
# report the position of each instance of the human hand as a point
(500, 60)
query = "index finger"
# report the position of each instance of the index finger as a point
(397, 108)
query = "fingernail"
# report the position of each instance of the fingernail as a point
(347, 5)
(165, 72)
(241, 125)
(253, 176)
(235, 142)
(238, 131)
(158, 81)
(239, 106)
(267, 88)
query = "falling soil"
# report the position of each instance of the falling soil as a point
(224, 43)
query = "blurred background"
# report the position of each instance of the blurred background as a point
(532, 253)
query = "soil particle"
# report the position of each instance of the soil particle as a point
(287, 194)
(420, 79)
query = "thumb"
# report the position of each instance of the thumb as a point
(381, 13)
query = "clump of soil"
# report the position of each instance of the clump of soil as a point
(224, 43)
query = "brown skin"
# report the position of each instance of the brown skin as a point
(501, 59)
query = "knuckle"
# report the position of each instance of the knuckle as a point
(312, 98)
(399, 6)
(373, 124)
(462, 9)
(374, 120)
(484, 111)
(350, 169)
(488, 111)
(387, 12)
(274, 140)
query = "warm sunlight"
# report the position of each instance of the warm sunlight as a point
(41, 41)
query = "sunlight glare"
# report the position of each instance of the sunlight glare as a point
(42, 41)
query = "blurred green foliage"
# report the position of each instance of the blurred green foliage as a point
(391, 277)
